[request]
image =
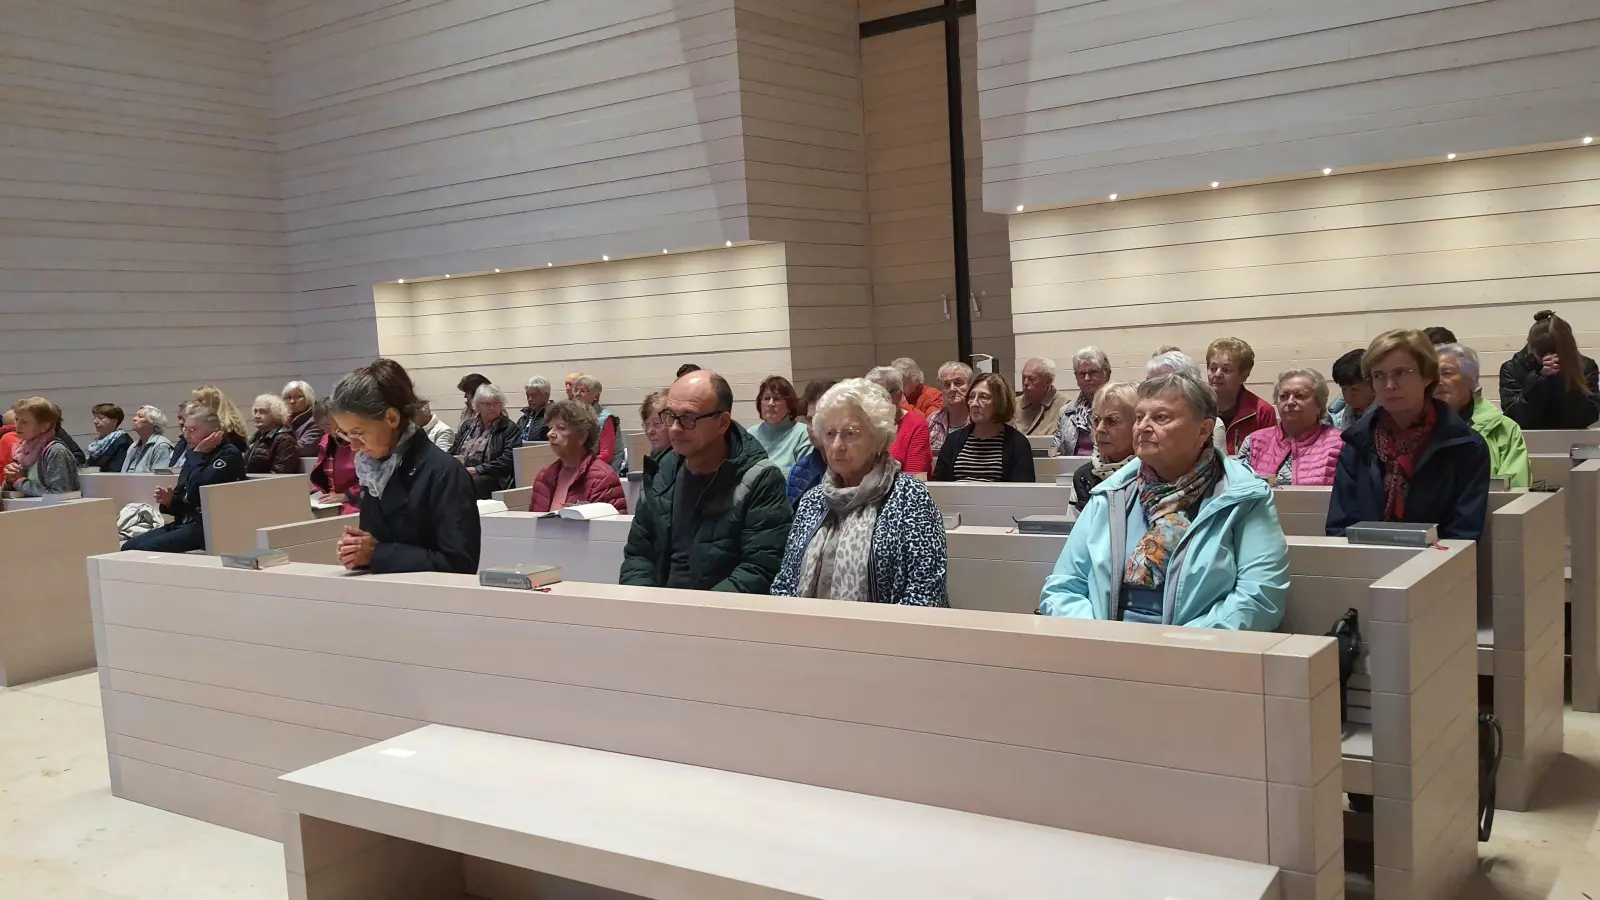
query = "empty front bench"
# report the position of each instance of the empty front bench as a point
(442, 811)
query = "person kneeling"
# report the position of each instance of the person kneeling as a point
(868, 531)
(223, 464)
(1181, 536)
(578, 475)
(417, 509)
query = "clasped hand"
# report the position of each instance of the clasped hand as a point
(355, 548)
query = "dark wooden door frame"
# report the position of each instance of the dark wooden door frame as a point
(950, 12)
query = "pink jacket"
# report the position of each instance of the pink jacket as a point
(1316, 454)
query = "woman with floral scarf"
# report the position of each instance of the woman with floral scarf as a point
(1415, 460)
(1178, 536)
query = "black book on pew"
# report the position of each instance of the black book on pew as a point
(1045, 524)
(1393, 534)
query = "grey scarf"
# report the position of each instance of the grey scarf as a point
(837, 562)
(374, 474)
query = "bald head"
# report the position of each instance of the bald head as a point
(709, 390)
(697, 405)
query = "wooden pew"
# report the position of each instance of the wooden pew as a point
(1583, 590)
(585, 550)
(527, 460)
(1049, 468)
(312, 541)
(424, 808)
(998, 504)
(45, 629)
(233, 512)
(994, 568)
(1560, 441)
(515, 499)
(123, 489)
(1213, 742)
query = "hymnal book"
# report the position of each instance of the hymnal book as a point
(524, 577)
(583, 511)
(1393, 534)
(1044, 524)
(266, 559)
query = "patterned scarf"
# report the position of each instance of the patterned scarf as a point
(1073, 425)
(1166, 508)
(374, 474)
(1103, 470)
(837, 562)
(101, 445)
(29, 451)
(1398, 450)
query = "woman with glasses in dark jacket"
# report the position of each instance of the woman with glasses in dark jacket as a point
(485, 442)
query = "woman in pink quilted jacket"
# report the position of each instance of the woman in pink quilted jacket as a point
(1302, 449)
(578, 475)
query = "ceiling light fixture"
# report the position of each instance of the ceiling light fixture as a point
(727, 243)
(1449, 156)
(402, 281)
(1113, 196)
(497, 271)
(605, 259)
(1216, 184)
(1327, 171)
(1588, 140)
(447, 276)
(548, 265)
(1019, 208)
(663, 251)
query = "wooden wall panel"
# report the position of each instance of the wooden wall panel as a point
(630, 323)
(1081, 100)
(140, 246)
(1307, 270)
(801, 114)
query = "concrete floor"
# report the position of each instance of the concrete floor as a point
(64, 837)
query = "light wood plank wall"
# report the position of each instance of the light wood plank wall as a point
(1306, 270)
(1081, 100)
(420, 139)
(140, 247)
(630, 323)
(800, 108)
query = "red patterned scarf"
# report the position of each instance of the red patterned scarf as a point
(1398, 450)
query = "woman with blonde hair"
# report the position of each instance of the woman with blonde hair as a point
(233, 427)
(1412, 459)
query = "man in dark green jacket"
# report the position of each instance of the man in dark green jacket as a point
(714, 516)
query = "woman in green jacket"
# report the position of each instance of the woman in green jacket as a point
(1458, 389)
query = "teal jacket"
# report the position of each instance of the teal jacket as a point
(1231, 570)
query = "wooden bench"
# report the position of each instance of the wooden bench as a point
(526, 462)
(994, 568)
(312, 541)
(438, 805)
(586, 550)
(1000, 504)
(122, 489)
(234, 511)
(1047, 469)
(1212, 742)
(45, 628)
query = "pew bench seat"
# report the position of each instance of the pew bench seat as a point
(416, 813)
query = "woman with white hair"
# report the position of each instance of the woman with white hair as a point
(1302, 448)
(911, 447)
(868, 531)
(1074, 433)
(485, 442)
(954, 379)
(307, 432)
(1458, 388)
(1176, 362)
(586, 389)
(273, 450)
(1112, 422)
(151, 448)
(1182, 535)
(918, 395)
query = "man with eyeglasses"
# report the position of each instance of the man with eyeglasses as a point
(715, 516)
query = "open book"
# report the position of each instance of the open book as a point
(582, 511)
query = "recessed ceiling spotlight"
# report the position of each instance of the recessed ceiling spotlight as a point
(1216, 184)
(663, 251)
(1019, 208)
(548, 265)
(1588, 140)
(605, 259)
(1449, 156)
(447, 276)
(1327, 171)
(1113, 196)
(727, 243)
(497, 271)
(402, 281)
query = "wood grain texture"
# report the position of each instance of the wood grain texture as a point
(1081, 100)
(1308, 270)
(139, 231)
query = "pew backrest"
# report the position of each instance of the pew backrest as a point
(586, 550)
(312, 541)
(123, 489)
(1000, 504)
(233, 512)
(527, 460)
(44, 599)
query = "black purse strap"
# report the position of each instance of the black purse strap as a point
(1347, 631)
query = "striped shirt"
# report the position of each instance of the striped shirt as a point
(981, 459)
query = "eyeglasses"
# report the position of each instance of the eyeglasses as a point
(686, 421)
(1394, 377)
(850, 435)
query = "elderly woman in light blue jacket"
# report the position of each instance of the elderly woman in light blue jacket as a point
(1182, 536)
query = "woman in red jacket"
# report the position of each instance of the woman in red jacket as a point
(578, 475)
(912, 446)
(334, 475)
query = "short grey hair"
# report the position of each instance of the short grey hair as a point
(908, 369)
(888, 378)
(579, 415)
(857, 395)
(1466, 358)
(1042, 362)
(487, 392)
(537, 383)
(204, 416)
(1125, 393)
(1095, 355)
(1196, 394)
(274, 404)
(956, 365)
(1174, 362)
(305, 389)
(1319, 385)
(588, 383)
(156, 418)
